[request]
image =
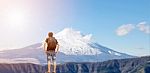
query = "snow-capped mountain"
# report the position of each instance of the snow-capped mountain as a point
(74, 47)
(73, 43)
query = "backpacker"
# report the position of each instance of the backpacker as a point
(51, 43)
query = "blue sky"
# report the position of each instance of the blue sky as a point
(122, 25)
(102, 18)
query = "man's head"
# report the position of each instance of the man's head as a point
(50, 34)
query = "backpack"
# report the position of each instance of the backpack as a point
(51, 43)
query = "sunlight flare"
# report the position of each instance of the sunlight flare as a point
(16, 19)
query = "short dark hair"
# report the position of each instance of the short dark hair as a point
(50, 34)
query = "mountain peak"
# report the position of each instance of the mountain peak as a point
(69, 30)
(75, 43)
(69, 33)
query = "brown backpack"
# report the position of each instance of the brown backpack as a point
(51, 43)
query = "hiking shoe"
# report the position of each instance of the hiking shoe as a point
(47, 72)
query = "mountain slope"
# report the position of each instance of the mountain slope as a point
(74, 47)
(132, 65)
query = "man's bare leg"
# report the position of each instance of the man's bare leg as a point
(49, 66)
(54, 63)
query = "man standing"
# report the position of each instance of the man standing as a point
(51, 47)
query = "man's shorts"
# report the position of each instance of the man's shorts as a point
(51, 56)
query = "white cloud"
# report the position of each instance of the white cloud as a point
(142, 26)
(124, 29)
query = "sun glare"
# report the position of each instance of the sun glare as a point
(16, 19)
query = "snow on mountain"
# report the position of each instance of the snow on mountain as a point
(74, 47)
(73, 43)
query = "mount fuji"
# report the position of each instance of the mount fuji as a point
(74, 47)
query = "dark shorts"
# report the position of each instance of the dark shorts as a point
(51, 56)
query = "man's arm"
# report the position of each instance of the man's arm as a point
(57, 48)
(45, 46)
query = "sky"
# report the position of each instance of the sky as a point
(122, 25)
